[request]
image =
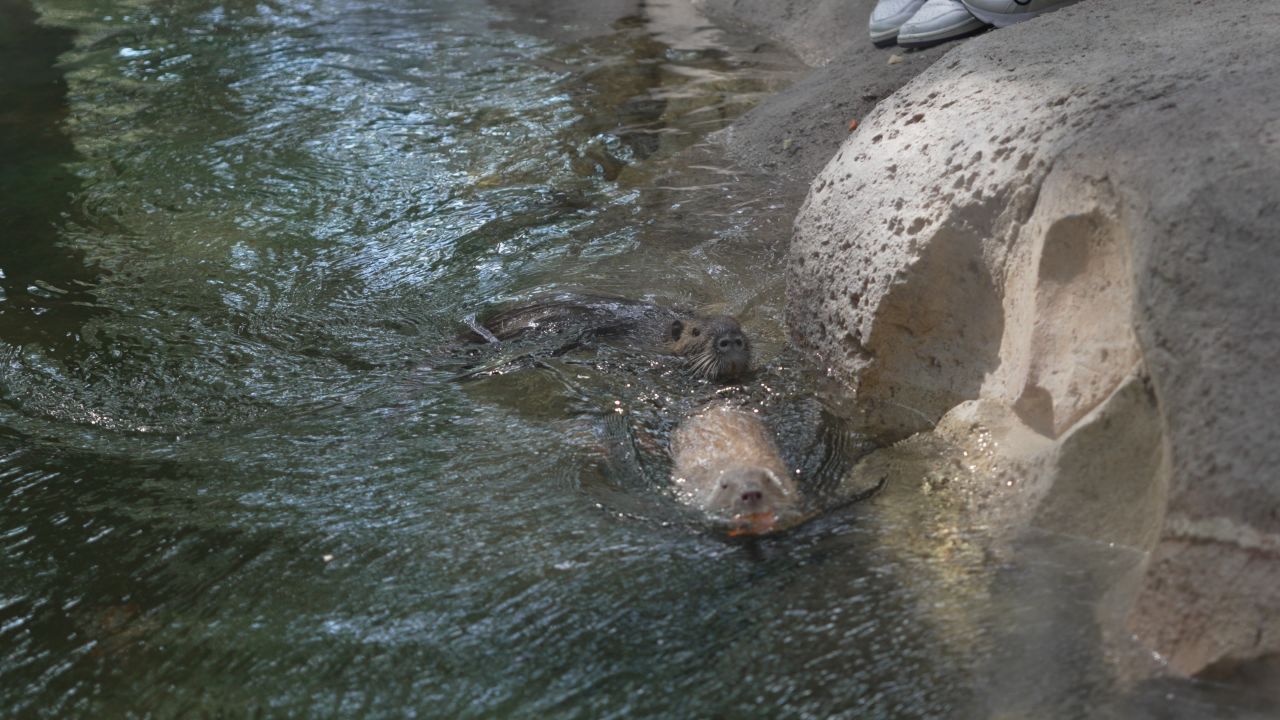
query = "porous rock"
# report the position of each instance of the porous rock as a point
(1076, 219)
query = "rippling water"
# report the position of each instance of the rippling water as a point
(237, 479)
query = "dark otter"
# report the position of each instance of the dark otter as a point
(713, 347)
(727, 465)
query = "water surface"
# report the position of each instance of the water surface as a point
(236, 477)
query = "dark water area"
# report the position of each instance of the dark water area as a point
(238, 476)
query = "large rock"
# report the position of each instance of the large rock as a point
(1046, 213)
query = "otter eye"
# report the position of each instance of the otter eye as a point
(696, 332)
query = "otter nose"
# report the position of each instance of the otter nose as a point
(731, 341)
(751, 497)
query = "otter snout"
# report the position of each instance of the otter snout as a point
(755, 507)
(750, 495)
(748, 491)
(731, 341)
(733, 354)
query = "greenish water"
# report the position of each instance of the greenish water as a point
(237, 480)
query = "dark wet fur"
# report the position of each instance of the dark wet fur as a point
(713, 347)
(572, 315)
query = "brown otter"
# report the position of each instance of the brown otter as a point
(713, 347)
(727, 464)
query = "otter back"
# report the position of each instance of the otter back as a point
(712, 347)
(574, 314)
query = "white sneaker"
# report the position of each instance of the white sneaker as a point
(1007, 12)
(938, 21)
(888, 16)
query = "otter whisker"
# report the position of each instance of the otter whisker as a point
(705, 367)
(710, 369)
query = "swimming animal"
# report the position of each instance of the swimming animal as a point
(713, 347)
(726, 463)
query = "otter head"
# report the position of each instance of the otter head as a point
(752, 498)
(715, 348)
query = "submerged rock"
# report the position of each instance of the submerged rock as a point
(1072, 220)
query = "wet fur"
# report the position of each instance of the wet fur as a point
(726, 464)
(713, 347)
(697, 338)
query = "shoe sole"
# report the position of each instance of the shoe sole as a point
(929, 39)
(885, 39)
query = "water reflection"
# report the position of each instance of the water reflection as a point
(43, 288)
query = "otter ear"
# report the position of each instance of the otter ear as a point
(677, 329)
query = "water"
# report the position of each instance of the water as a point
(237, 479)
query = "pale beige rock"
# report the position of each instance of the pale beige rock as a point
(1075, 219)
(1068, 337)
(1105, 479)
